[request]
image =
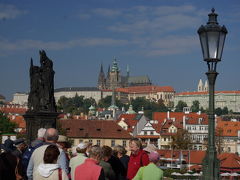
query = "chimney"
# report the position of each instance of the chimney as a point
(168, 115)
(184, 122)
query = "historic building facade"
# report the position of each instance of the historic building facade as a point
(114, 78)
(153, 93)
(229, 99)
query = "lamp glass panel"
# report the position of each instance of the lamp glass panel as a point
(221, 44)
(213, 44)
(203, 40)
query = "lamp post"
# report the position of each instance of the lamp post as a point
(212, 37)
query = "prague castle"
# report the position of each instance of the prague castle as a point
(114, 79)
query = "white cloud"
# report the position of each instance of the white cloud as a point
(148, 20)
(9, 11)
(173, 45)
(84, 16)
(6, 45)
(107, 12)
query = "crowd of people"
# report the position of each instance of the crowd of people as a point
(50, 157)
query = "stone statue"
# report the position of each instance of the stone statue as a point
(41, 96)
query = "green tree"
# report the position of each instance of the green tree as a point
(75, 105)
(87, 103)
(225, 110)
(105, 102)
(148, 105)
(181, 140)
(6, 126)
(218, 111)
(195, 106)
(179, 107)
(202, 110)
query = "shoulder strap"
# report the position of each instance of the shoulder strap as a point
(59, 174)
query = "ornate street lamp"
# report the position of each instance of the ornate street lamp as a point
(212, 37)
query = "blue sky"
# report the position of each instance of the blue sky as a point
(157, 38)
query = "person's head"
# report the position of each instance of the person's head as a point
(51, 135)
(89, 146)
(82, 147)
(135, 145)
(95, 153)
(119, 151)
(20, 144)
(41, 133)
(51, 154)
(62, 142)
(107, 153)
(154, 157)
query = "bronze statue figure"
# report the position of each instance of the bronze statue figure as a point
(41, 96)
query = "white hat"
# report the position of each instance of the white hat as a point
(62, 138)
(82, 145)
(150, 148)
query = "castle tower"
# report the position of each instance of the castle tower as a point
(114, 76)
(206, 86)
(101, 79)
(200, 86)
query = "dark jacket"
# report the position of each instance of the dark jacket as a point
(8, 164)
(108, 171)
(117, 166)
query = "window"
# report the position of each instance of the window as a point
(90, 140)
(124, 143)
(151, 132)
(99, 142)
(145, 132)
(80, 140)
(229, 149)
(112, 143)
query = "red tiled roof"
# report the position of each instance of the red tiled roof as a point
(13, 110)
(204, 93)
(229, 160)
(94, 129)
(229, 128)
(19, 120)
(195, 156)
(129, 119)
(191, 118)
(145, 89)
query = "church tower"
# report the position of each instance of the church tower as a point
(114, 76)
(101, 79)
(200, 86)
(206, 86)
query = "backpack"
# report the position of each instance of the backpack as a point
(27, 155)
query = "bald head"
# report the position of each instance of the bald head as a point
(51, 135)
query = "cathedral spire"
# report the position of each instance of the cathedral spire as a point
(200, 86)
(115, 65)
(128, 71)
(101, 79)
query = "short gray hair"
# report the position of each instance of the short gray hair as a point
(51, 134)
(95, 151)
(41, 132)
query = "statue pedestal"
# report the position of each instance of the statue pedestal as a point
(36, 120)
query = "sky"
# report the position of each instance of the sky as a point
(157, 38)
